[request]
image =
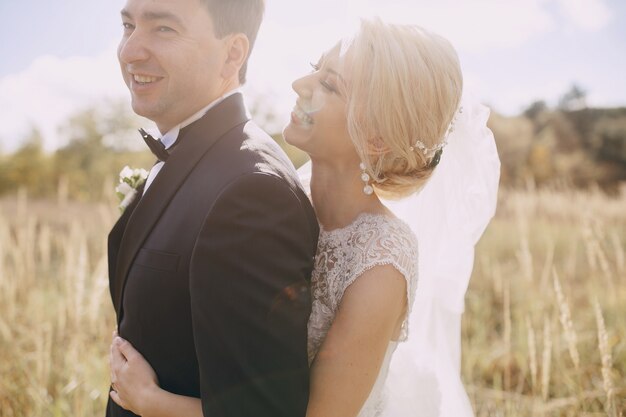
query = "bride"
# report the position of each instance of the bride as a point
(379, 115)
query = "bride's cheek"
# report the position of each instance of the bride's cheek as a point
(318, 100)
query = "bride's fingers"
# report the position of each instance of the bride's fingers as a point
(117, 358)
(126, 349)
(116, 399)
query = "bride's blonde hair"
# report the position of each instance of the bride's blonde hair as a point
(404, 85)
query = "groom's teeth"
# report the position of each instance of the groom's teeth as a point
(305, 118)
(144, 79)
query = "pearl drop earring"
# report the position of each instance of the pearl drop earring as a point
(365, 177)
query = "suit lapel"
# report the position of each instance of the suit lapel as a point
(194, 141)
(116, 234)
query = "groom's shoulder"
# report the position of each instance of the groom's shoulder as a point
(244, 150)
(259, 152)
(247, 164)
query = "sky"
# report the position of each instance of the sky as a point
(58, 57)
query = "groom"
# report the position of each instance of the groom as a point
(209, 267)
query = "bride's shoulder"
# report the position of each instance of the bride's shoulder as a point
(383, 240)
(393, 231)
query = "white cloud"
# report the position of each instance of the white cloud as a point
(50, 90)
(475, 25)
(589, 15)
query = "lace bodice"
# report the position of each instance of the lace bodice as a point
(342, 256)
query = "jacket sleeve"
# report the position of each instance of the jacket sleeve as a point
(250, 300)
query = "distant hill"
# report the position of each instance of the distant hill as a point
(581, 147)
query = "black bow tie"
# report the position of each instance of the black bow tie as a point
(155, 145)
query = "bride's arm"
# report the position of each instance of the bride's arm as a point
(347, 364)
(137, 389)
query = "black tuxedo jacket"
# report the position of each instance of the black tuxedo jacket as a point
(210, 271)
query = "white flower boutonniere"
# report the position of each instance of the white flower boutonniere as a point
(130, 180)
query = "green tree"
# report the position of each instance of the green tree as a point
(574, 99)
(610, 140)
(535, 109)
(98, 143)
(28, 167)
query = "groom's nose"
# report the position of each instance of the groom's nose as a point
(133, 48)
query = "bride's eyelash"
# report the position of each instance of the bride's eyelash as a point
(328, 86)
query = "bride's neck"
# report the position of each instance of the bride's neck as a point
(337, 194)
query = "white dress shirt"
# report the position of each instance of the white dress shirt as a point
(170, 136)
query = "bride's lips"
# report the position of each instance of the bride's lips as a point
(300, 117)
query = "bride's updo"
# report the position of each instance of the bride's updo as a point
(404, 85)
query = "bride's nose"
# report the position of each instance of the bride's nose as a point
(302, 86)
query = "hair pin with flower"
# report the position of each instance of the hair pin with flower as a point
(435, 151)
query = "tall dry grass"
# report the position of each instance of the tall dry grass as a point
(55, 315)
(544, 332)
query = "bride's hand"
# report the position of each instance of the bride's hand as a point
(132, 378)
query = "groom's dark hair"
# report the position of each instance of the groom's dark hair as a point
(237, 16)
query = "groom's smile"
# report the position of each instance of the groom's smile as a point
(144, 79)
(143, 84)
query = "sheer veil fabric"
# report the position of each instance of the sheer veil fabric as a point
(448, 216)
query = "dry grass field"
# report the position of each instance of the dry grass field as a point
(544, 332)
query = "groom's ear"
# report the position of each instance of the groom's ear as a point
(237, 49)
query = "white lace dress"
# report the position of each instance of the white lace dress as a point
(342, 256)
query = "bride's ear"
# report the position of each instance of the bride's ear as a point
(237, 48)
(376, 146)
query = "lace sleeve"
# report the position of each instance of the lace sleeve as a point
(379, 241)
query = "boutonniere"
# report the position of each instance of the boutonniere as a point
(130, 180)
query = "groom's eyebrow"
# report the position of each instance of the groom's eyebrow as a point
(155, 15)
